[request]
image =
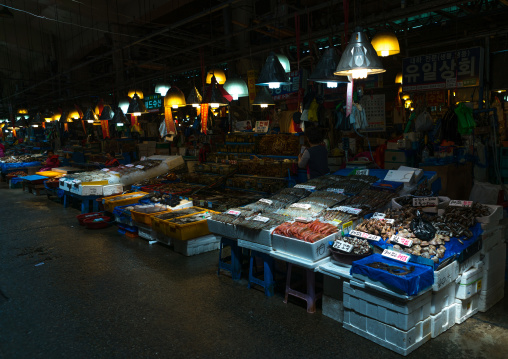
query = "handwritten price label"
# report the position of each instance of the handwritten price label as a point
(129, 165)
(378, 215)
(234, 213)
(105, 169)
(425, 202)
(401, 240)
(364, 235)
(140, 167)
(261, 219)
(308, 188)
(362, 172)
(350, 210)
(456, 203)
(389, 220)
(396, 255)
(303, 219)
(299, 205)
(346, 227)
(335, 190)
(343, 246)
(267, 201)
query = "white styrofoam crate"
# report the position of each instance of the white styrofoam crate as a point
(443, 321)
(490, 297)
(492, 238)
(494, 217)
(111, 189)
(222, 229)
(387, 309)
(470, 282)
(161, 238)
(492, 276)
(254, 246)
(495, 257)
(309, 251)
(442, 298)
(466, 308)
(469, 263)
(147, 234)
(402, 342)
(196, 246)
(333, 308)
(445, 276)
(263, 237)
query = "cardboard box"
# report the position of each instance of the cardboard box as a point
(395, 156)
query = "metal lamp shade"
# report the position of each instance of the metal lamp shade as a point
(194, 98)
(119, 117)
(162, 88)
(359, 59)
(174, 98)
(219, 74)
(272, 74)
(385, 43)
(89, 115)
(323, 73)
(107, 113)
(22, 122)
(263, 97)
(216, 99)
(236, 87)
(137, 105)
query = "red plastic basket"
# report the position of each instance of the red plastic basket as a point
(85, 216)
(92, 223)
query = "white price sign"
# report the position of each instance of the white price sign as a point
(303, 219)
(335, 190)
(401, 240)
(267, 201)
(105, 169)
(129, 165)
(378, 215)
(425, 201)
(362, 172)
(396, 255)
(343, 246)
(234, 213)
(364, 235)
(261, 219)
(457, 203)
(299, 205)
(350, 210)
(309, 188)
(389, 220)
(140, 167)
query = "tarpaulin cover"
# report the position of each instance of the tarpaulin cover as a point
(33, 178)
(412, 283)
(9, 166)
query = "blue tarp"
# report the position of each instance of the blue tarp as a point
(33, 178)
(411, 284)
(10, 166)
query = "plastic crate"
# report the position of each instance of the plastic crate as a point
(184, 232)
(110, 203)
(145, 218)
(161, 225)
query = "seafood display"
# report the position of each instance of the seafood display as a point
(191, 219)
(379, 228)
(280, 145)
(371, 199)
(170, 176)
(337, 197)
(148, 208)
(266, 205)
(360, 246)
(297, 192)
(308, 232)
(18, 174)
(21, 159)
(305, 210)
(260, 222)
(337, 215)
(423, 189)
(178, 213)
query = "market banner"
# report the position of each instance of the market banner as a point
(105, 128)
(168, 119)
(204, 117)
(445, 70)
(252, 76)
(66, 127)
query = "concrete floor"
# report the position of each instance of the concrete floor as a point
(102, 295)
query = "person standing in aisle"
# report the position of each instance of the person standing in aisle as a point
(314, 158)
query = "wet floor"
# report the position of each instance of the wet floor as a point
(69, 292)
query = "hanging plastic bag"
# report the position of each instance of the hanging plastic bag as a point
(422, 229)
(423, 122)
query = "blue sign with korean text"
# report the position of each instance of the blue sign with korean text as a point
(297, 79)
(153, 102)
(451, 69)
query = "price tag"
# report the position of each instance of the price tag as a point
(261, 219)
(457, 203)
(364, 235)
(396, 255)
(308, 188)
(350, 210)
(129, 165)
(338, 221)
(105, 169)
(343, 246)
(389, 220)
(346, 227)
(362, 172)
(303, 219)
(234, 213)
(267, 201)
(335, 190)
(140, 167)
(299, 205)
(378, 215)
(425, 201)
(401, 240)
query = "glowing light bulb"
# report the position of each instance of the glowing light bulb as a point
(120, 124)
(264, 105)
(174, 106)
(89, 121)
(332, 85)
(136, 114)
(195, 105)
(385, 53)
(274, 85)
(35, 125)
(214, 105)
(235, 96)
(359, 74)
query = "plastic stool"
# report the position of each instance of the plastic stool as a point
(267, 282)
(311, 296)
(235, 267)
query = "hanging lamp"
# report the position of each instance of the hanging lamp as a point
(22, 111)
(194, 98)
(137, 106)
(359, 59)
(263, 98)
(89, 115)
(107, 113)
(119, 117)
(236, 87)
(385, 43)
(72, 116)
(323, 73)
(133, 92)
(174, 98)
(219, 74)
(36, 120)
(398, 78)
(124, 104)
(162, 88)
(284, 61)
(214, 95)
(272, 74)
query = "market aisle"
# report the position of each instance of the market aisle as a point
(100, 295)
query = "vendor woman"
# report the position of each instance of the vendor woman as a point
(111, 160)
(51, 162)
(314, 158)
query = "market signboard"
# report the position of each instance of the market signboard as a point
(297, 80)
(153, 102)
(451, 69)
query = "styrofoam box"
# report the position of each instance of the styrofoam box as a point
(91, 190)
(443, 321)
(490, 297)
(466, 308)
(495, 257)
(402, 342)
(161, 238)
(147, 234)
(470, 282)
(385, 308)
(263, 237)
(333, 308)
(469, 263)
(295, 247)
(445, 275)
(197, 246)
(443, 298)
(491, 238)
(494, 217)
(112, 189)
(222, 229)
(492, 276)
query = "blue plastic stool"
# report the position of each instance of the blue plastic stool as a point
(267, 282)
(235, 267)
